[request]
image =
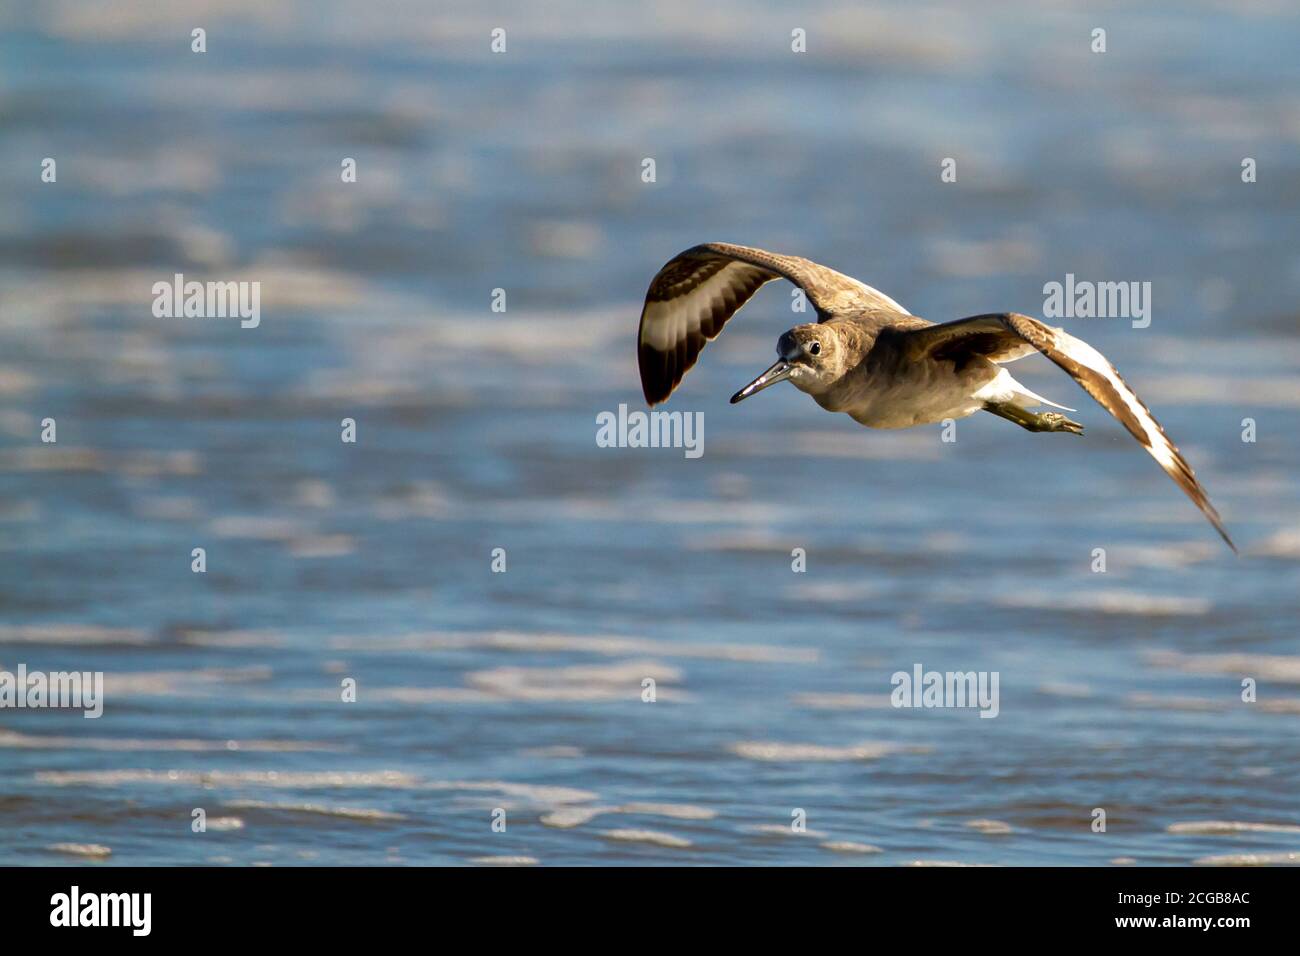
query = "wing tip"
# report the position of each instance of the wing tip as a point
(654, 392)
(1223, 533)
(1201, 499)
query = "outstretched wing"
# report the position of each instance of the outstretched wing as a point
(1004, 336)
(694, 295)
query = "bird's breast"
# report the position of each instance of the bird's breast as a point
(904, 395)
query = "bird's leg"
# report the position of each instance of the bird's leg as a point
(1034, 421)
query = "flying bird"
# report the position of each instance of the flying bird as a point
(868, 357)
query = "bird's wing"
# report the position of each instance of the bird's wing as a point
(695, 293)
(1001, 336)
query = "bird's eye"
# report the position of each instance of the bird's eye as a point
(815, 348)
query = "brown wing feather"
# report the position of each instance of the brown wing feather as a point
(994, 336)
(984, 335)
(694, 294)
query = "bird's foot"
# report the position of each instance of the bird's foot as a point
(1056, 422)
(1035, 422)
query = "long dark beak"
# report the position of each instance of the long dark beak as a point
(777, 373)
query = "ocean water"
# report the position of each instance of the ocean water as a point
(518, 696)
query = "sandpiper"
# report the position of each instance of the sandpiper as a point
(868, 357)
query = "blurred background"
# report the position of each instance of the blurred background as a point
(476, 430)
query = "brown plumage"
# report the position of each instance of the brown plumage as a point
(694, 295)
(866, 356)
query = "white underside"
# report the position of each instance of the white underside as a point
(1004, 389)
(926, 397)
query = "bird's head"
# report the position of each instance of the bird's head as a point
(810, 358)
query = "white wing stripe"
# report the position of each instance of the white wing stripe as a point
(668, 322)
(697, 291)
(1160, 447)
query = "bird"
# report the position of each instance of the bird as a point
(868, 357)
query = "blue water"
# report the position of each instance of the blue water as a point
(476, 430)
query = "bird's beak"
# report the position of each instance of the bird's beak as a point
(777, 373)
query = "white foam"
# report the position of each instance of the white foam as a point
(1220, 827)
(1250, 859)
(94, 850)
(504, 860)
(848, 846)
(776, 751)
(992, 827)
(647, 836)
(1116, 602)
(782, 829)
(318, 809)
(1278, 667)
